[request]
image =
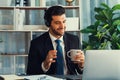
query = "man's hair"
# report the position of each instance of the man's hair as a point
(52, 11)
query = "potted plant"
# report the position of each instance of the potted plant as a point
(105, 32)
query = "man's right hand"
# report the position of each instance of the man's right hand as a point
(50, 59)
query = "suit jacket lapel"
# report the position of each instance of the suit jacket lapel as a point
(48, 44)
(67, 46)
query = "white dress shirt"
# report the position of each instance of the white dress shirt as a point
(54, 46)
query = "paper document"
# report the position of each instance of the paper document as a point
(41, 77)
(11, 77)
(32, 77)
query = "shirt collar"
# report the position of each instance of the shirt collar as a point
(54, 38)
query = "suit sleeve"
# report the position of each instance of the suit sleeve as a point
(80, 71)
(34, 64)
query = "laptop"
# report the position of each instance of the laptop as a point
(102, 65)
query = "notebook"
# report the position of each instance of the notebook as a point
(102, 65)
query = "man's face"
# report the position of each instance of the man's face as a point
(57, 27)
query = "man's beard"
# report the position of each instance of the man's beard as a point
(57, 33)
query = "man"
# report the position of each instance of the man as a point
(43, 54)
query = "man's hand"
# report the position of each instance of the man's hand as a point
(80, 57)
(50, 59)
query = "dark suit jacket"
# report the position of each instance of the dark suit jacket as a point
(39, 48)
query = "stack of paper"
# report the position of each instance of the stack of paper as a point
(41, 77)
(32, 77)
(11, 77)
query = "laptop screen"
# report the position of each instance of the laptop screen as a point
(102, 65)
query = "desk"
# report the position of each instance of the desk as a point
(69, 77)
(41, 77)
(54, 77)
